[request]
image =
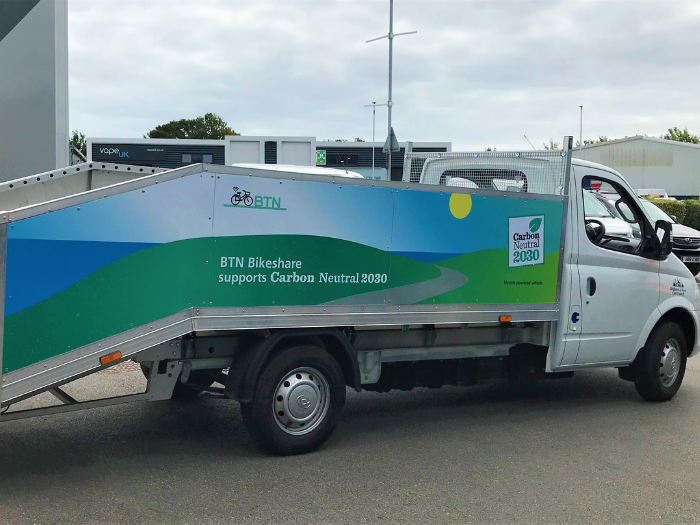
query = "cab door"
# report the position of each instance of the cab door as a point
(619, 285)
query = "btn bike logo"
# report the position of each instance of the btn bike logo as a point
(244, 199)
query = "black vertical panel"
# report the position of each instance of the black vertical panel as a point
(271, 152)
(397, 160)
(397, 173)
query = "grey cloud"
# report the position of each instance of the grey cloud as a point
(477, 73)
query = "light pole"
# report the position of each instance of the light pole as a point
(373, 105)
(389, 102)
(580, 129)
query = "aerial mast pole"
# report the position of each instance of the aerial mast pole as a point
(373, 105)
(391, 144)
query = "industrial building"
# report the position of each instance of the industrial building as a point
(358, 156)
(648, 162)
(302, 151)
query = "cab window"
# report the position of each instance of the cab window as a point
(612, 218)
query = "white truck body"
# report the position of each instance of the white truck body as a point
(587, 300)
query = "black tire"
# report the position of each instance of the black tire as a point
(182, 391)
(694, 268)
(259, 415)
(665, 351)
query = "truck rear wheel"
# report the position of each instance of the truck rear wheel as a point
(661, 363)
(297, 401)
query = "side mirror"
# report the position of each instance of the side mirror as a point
(674, 218)
(664, 232)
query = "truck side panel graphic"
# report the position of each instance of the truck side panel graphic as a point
(84, 273)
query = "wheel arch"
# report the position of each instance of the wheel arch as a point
(248, 364)
(687, 323)
(676, 314)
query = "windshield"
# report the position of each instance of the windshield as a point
(656, 213)
(593, 207)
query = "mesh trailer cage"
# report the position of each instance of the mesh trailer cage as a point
(542, 172)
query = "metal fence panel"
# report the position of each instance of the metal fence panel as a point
(520, 171)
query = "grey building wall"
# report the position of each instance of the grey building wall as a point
(648, 162)
(33, 87)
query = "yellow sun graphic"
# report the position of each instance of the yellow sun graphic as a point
(460, 205)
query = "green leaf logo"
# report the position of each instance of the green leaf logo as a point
(535, 225)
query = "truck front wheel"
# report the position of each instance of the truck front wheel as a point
(297, 401)
(661, 363)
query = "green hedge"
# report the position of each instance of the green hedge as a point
(677, 208)
(687, 212)
(692, 213)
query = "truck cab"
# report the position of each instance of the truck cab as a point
(621, 288)
(617, 290)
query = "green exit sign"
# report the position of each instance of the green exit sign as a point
(320, 157)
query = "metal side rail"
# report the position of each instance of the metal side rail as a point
(80, 178)
(55, 175)
(67, 367)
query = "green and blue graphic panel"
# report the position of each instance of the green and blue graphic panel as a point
(81, 274)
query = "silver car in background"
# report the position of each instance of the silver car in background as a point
(598, 207)
(686, 240)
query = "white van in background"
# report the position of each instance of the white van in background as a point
(656, 193)
(289, 168)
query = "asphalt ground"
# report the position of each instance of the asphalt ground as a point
(579, 450)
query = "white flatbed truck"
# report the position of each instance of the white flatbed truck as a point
(285, 287)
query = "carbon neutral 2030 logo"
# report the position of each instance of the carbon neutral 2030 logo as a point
(525, 240)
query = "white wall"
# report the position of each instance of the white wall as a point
(246, 151)
(300, 151)
(297, 153)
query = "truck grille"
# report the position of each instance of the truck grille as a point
(686, 242)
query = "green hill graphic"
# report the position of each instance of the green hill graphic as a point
(168, 278)
(492, 281)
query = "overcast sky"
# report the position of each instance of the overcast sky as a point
(477, 73)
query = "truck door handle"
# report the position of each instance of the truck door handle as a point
(591, 286)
